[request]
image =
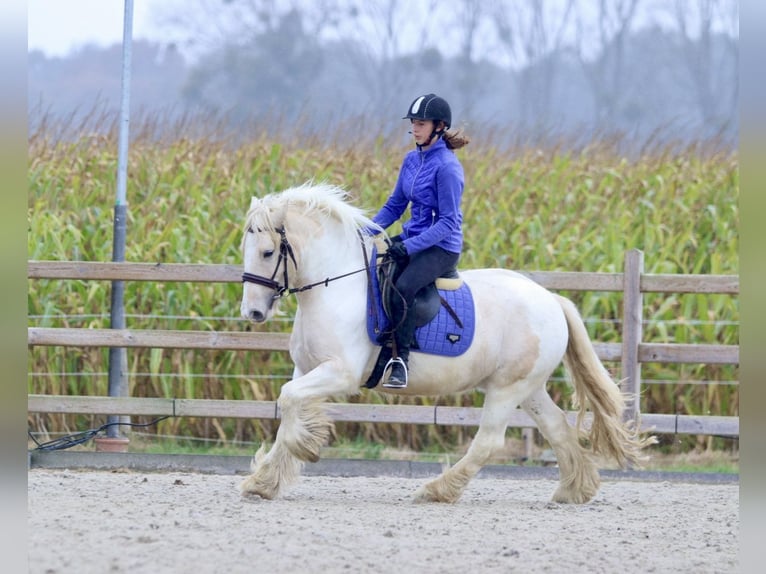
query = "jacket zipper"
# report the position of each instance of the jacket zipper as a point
(414, 179)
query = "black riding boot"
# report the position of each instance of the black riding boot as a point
(403, 338)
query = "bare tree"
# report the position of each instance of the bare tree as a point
(375, 31)
(551, 63)
(467, 19)
(533, 36)
(605, 72)
(705, 60)
(207, 25)
(392, 42)
(255, 58)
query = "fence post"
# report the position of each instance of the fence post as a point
(632, 331)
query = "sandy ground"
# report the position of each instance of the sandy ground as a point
(105, 521)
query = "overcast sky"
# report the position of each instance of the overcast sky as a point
(58, 27)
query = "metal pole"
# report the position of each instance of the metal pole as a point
(118, 361)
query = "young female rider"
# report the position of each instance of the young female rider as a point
(431, 181)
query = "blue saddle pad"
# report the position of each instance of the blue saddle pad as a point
(442, 335)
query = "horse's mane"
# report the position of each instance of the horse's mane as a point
(324, 200)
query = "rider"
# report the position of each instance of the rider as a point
(431, 180)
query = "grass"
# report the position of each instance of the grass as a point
(704, 461)
(712, 461)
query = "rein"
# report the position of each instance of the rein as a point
(285, 252)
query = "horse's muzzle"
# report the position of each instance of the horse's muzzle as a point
(256, 304)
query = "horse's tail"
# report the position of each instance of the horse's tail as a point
(593, 387)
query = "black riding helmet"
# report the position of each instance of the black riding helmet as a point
(430, 107)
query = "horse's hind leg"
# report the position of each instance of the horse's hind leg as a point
(578, 475)
(448, 487)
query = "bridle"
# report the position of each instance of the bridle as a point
(285, 253)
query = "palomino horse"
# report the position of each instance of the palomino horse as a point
(310, 236)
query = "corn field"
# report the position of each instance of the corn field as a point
(526, 209)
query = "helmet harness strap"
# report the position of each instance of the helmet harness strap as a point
(431, 137)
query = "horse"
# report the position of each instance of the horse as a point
(311, 241)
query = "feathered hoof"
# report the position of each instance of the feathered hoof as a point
(255, 486)
(430, 492)
(570, 496)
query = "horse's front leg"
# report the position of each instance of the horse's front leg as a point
(303, 430)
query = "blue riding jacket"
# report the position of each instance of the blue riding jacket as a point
(432, 181)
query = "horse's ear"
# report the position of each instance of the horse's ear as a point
(253, 202)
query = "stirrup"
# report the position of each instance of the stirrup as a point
(396, 384)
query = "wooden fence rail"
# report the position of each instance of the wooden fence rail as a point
(346, 412)
(631, 353)
(256, 341)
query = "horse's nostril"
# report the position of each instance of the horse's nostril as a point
(256, 316)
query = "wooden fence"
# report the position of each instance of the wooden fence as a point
(633, 283)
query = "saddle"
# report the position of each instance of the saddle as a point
(427, 302)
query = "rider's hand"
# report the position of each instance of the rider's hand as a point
(398, 252)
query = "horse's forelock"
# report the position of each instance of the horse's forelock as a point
(258, 218)
(264, 214)
(325, 200)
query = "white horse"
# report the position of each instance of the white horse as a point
(296, 239)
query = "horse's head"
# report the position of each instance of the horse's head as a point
(267, 257)
(312, 225)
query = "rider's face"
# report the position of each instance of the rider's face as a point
(421, 130)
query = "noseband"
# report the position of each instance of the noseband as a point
(285, 252)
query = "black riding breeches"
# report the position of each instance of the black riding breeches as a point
(423, 268)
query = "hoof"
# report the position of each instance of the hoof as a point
(251, 486)
(565, 496)
(430, 492)
(422, 496)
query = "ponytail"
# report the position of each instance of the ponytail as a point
(455, 139)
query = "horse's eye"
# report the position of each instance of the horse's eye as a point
(267, 254)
